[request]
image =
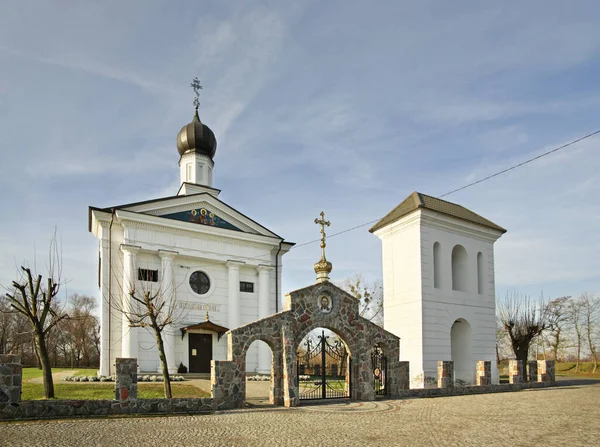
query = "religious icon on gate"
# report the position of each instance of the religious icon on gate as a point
(325, 304)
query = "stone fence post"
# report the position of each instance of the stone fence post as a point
(515, 371)
(126, 380)
(545, 371)
(532, 370)
(404, 376)
(445, 374)
(484, 373)
(10, 378)
(227, 385)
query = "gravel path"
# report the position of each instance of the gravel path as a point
(547, 417)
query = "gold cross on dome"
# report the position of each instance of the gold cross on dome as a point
(323, 223)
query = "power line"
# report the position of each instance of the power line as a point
(521, 164)
(468, 185)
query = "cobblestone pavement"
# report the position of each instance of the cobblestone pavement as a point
(547, 417)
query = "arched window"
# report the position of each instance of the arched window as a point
(460, 271)
(437, 265)
(480, 274)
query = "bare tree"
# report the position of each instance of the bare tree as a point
(370, 296)
(80, 331)
(155, 312)
(591, 317)
(575, 313)
(523, 320)
(37, 301)
(558, 322)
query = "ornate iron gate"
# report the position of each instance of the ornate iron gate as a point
(322, 369)
(379, 371)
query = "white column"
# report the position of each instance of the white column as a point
(234, 292)
(168, 294)
(264, 286)
(105, 311)
(129, 337)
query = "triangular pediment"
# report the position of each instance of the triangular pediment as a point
(202, 216)
(199, 209)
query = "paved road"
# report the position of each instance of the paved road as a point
(547, 417)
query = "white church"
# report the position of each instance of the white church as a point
(221, 269)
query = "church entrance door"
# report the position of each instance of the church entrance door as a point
(200, 352)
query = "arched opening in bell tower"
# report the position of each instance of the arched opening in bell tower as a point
(462, 352)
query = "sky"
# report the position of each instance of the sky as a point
(341, 106)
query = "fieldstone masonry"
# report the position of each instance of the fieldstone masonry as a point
(532, 370)
(484, 373)
(403, 375)
(126, 380)
(545, 371)
(445, 374)
(10, 378)
(283, 332)
(515, 371)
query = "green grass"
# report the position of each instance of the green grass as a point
(568, 369)
(75, 391)
(32, 373)
(85, 371)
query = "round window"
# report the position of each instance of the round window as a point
(199, 282)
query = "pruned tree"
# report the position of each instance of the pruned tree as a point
(152, 311)
(558, 323)
(370, 296)
(523, 320)
(36, 299)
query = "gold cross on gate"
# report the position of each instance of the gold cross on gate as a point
(323, 223)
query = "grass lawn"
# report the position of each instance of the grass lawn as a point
(35, 391)
(568, 369)
(32, 373)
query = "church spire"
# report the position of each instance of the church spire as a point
(197, 146)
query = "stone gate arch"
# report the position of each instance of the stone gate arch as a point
(320, 305)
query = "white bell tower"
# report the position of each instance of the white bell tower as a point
(438, 286)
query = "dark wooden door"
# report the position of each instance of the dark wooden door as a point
(200, 352)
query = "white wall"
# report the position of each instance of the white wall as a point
(195, 252)
(401, 253)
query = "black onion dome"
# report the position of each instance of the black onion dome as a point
(196, 137)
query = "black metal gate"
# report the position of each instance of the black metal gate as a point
(322, 369)
(379, 371)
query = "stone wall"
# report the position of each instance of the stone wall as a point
(227, 388)
(126, 402)
(52, 409)
(10, 378)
